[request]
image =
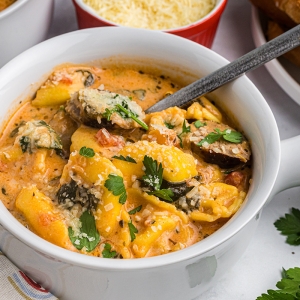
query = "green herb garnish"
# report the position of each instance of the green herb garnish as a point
(289, 287)
(153, 173)
(108, 112)
(132, 115)
(115, 184)
(163, 194)
(290, 226)
(169, 125)
(107, 253)
(127, 158)
(199, 124)
(86, 152)
(227, 134)
(153, 178)
(133, 230)
(88, 236)
(185, 129)
(135, 210)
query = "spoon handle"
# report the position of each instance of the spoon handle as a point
(250, 61)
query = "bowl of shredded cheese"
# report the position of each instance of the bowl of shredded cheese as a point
(196, 20)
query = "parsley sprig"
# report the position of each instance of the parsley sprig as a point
(153, 178)
(132, 230)
(132, 115)
(289, 225)
(227, 134)
(107, 252)
(124, 112)
(115, 184)
(289, 287)
(86, 152)
(88, 236)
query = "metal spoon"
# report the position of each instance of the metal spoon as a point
(250, 61)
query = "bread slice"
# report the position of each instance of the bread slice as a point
(274, 30)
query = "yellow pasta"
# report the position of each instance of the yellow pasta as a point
(221, 201)
(41, 215)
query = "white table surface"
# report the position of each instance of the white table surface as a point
(260, 267)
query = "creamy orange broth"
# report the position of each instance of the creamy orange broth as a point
(5, 3)
(32, 179)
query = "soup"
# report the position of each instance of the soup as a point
(5, 3)
(85, 168)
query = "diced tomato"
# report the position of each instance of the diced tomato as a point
(104, 138)
(234, 178)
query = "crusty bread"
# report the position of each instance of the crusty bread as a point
(274, 30)
(283, 15)
(275, 13)
(290, 7)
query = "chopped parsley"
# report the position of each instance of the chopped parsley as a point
(124, 111)
(185, 129)
(153, 178)
(153, 173)
(88, 236)
(115, 184)
(107, 253)
(227, 134)
(289, 287)
(164, 194)
(132, 115)
(107, 114)
(289, 225)
(133, 230)
(127, 158)
(169, 125)
(135, 210)
(86, 152)
(199, 124)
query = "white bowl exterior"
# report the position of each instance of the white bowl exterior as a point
(179, 275)
(22, 25)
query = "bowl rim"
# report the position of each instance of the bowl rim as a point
(219, 7)
(12, 8)
(241, 218)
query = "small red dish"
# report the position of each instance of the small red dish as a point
(202, 31)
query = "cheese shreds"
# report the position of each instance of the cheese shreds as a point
(152, 14)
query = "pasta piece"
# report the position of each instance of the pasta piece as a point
(42, 217)
(101, 141)
(85, 136)
(144, 240)
(92, 172)
(137, 196)
(204, 110)
(60, 85)
(178, 166)
(218, 200)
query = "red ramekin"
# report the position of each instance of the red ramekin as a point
(202, 31)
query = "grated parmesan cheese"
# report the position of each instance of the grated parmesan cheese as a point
(152, 14)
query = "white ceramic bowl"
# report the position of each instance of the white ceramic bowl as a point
(22, 25)
(180, 275)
